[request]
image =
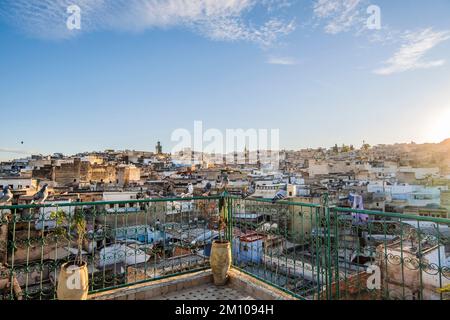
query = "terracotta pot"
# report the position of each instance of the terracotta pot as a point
(73, 282)
(220, 261)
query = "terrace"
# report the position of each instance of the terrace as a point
(160, 249)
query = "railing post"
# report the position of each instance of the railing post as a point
(327, 234)
(227, 215)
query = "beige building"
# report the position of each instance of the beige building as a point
(127, 174)
(303, 218)
(445, 199)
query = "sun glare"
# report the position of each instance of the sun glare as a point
(439, 128)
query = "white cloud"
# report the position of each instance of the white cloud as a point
(411, 54)
(15, 151)
(339, 15)
(286, 61)
(216, 19)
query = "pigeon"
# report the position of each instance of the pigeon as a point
(6, 196)
(281, 194)
(224, 181)
(189, 193)
(249, 191)
(170, 191)
(40, 196)
(190, 189)
(207, 190)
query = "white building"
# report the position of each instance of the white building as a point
(266, 190)
(18, 183)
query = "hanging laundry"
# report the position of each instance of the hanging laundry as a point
(358, 204)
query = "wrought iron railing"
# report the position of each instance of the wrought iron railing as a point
(126, 242)
(318, 251)
(312, 251)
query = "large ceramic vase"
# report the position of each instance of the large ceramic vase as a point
(220, 261)
(73, 282)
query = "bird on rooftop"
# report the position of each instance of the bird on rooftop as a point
(40, 196)
(281, 194)
(189, 192)
(224, 181)
(6, 196)
(190, 189)
(249, 191)
(207, 190)
(170, 191)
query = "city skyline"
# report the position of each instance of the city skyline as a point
(311, 69)
(343, 148)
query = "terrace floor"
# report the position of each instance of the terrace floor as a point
(197, 286)
(207, 292)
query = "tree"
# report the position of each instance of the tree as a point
(345, 148)
(366, 146)
(77, 224)
(336, 148)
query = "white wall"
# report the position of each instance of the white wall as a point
(18, 184)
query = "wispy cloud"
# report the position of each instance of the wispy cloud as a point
(351, 15)
(411, 54)
(286, 61)
(339, 15)
(15, 151)
(216, 19)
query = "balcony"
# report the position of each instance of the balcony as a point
(160, 248)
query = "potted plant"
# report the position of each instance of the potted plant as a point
(73, 280)
(9, 285)
(220, 259)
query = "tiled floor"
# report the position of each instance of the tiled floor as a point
(206, 292)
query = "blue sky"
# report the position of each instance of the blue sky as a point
(139, 69)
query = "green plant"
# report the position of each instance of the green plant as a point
(76, 223)
(80, 226)
(222, 223)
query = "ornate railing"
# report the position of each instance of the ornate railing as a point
(318, 251)
(126, 242)
(312, 251)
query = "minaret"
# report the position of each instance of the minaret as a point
(258, 160)
(158, 148)
(246, 155)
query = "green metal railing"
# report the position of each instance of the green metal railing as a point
(311, 251)
(126, 242)
(318, 251)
